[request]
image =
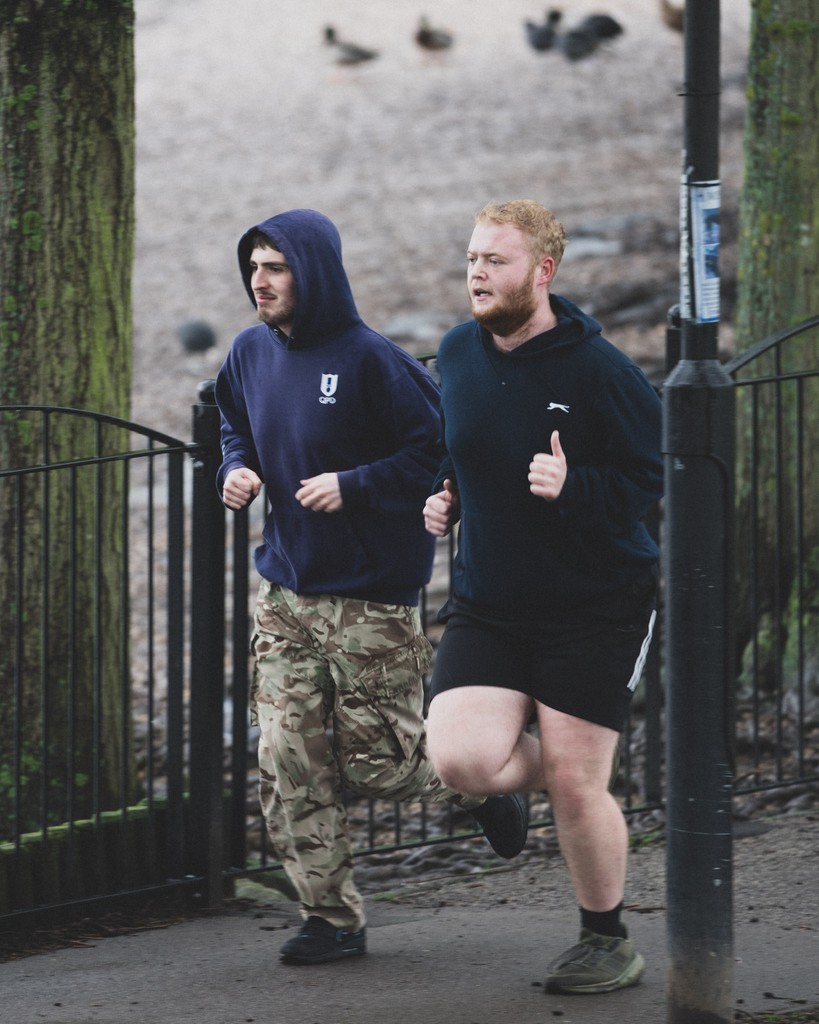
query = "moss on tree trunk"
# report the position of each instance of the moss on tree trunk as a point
(779, 287)
(67, 224)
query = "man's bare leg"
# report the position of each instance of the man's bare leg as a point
(478, 741)
(591, 829)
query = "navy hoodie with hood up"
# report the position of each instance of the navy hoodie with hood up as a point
(334, 397)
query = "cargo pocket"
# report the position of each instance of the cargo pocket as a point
(382, 716)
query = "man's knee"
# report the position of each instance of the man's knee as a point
(471, 735)
(463, 778)
(459, 766)
(446, 765)
(461, 751)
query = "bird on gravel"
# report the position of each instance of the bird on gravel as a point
(586, 37)
(577, 44)
(429, 38)
(347, 53)
(602, 25)
(543, 36)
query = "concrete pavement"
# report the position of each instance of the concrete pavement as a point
(449, 951)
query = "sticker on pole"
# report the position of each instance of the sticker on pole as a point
(704, 212)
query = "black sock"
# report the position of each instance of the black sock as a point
(605, 923)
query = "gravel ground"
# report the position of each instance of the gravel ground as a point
(243, 112)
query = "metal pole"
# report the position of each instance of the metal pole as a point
(207, 658)
(698, 563)
(239, 690)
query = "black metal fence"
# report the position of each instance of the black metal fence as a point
(777, 558)
(96, 704)
(133, 773)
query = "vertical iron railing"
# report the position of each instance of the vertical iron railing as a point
(207, 651)
(93, 765)
(776, 709)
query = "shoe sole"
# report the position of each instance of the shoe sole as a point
(628, 978)
(523, 823)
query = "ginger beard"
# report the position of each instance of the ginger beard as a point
(509, 312)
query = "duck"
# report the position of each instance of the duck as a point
(586, 37)
(602, 25)
(347, 53)
(672, 15)
(429, 38)
(577, 43)
(543, 36)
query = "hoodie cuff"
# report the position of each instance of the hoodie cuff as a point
(352, 489)
(566, 498)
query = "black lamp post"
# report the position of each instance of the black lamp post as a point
(698, 446)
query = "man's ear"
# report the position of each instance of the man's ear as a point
(546, 270)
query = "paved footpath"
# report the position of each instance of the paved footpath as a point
(448, 951)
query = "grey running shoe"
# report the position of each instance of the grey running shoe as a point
(505, 823)
(598, 963)
(319, 942)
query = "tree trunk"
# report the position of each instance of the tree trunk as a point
(67, 224)
(779, 287)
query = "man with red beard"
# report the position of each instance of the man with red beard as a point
(552, 461)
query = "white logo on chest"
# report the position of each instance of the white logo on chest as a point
(556, 405)
(329, 383)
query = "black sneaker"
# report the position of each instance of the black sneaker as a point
(505, 822)
(319, 942)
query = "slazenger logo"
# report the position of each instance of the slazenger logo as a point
(556, 405)
(329, 383)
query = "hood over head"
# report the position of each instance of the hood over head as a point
(311, 244)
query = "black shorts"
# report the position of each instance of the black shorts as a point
(587, 664)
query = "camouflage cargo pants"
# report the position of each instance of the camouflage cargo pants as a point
(339, 701)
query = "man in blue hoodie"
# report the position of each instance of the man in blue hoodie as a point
(552, 462)
(340, 426)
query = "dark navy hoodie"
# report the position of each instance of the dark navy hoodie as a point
(334, 397)
(520, 556)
